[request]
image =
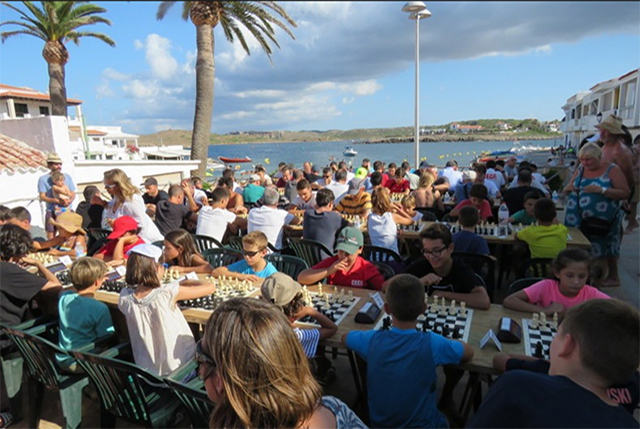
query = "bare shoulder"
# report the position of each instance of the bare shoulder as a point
(321, 418)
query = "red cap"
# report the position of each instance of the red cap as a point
(122, 225)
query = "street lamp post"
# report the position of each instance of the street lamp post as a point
(417, 10)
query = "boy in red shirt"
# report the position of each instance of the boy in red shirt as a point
(398, 184)
(478, 199)
(347, 268)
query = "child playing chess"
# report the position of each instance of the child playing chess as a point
(526, 216)
(409, 204)
(478, 199)
(571, 270)
(401, 362)
(161, 339)
(466, 240)
(596, 347)
(181, 254)
(548, 237)
(69, 226)
(60, 191)
(287, 294)
(122, 239)
(253, 267)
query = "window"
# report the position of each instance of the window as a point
(44, 110)
(21, 110)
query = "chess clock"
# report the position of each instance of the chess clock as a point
(509, 331)
(369, 313)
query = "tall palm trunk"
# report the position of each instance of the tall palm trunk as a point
(57, 89)
(205, 73)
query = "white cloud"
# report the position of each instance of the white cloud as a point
(346, 100)
(158, 56)
(368, 87)
(261, 93)
(138, 45)
(138, 89)
(112, 74)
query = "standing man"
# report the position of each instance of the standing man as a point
(153, 195)
(54, 163)
(510, 168)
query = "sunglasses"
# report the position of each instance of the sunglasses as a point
(113, 185)
(203, 359)
(251, 254)
(435, 252)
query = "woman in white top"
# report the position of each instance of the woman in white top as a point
(127, 201)
(383, 220)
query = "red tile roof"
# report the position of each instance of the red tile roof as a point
(25, 93)
(16, 155)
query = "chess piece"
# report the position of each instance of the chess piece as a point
(535, 320)
(456, 334)
(386, 323)
(463, 308)
(555, 320)
(443, 302)
(445, 330)
(543, 320)
(539, 351)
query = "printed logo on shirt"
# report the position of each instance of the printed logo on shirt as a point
(357, 283)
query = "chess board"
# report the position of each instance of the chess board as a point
(458, 325)
(225, 289)
(414, 227)
(114, 283)
(488, 229)
(543, 334)
(337, 310)
(61, 272)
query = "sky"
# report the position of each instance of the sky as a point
(351, 65)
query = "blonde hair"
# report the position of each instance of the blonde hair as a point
(591, 150)
(266, 379)
(121, 179)
(56, 176)
(86, 271)
(426, 180)
(381, 201)
(408, 201)
(182, 239)
(256, 238)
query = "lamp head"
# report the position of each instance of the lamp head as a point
(420, 15)
(414, 6)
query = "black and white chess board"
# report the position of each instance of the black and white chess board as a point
(489, 229)
(450, 323)
(113, 283)
(222, 293)
(414, 227)
(334, 306)
(543, 334)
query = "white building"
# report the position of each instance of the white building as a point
(584, 110)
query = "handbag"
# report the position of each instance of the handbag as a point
(592, 226)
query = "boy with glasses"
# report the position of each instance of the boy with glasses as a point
(253, 267)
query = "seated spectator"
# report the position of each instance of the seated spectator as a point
(305, 199)
(526, 216)
(91, 208)
(181, 253)
(20, 216)
(271, 220)
(585, 361)
(495, 175)
(425, 196)
(398, 184)
(123, 238)
(461, 191)
(339, 186)
(172, 214)
(253, 267)
(236, 202)
(548, 237)
(510, 168)
(286, 174)
(253, 191)
(326, 179)
(69, 226)
(291, 187)
(152, 196)
(451, 172)
(322, 223)
(514, 197)
(410, 176)
(265, 179)
(235, 187)
(343, 166)
(199, 196)
(524, 165)
(478, 199)
(481, 173)
(347, 268)
(356, 202)
(401, 362)
(214, 220)
(466, 240)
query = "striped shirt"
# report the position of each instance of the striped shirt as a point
(355, 204)
(309, 339)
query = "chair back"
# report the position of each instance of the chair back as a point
(97, 244)
(484, 265)
(522, 283)
(159, 244)
(380, 254)
(221, 257)
(204, 242)
(128, 392)
(290, 265)
(536, 267)
(386, 270)
(311, 251)
(98, 233)
(235, 242)
(194, 399)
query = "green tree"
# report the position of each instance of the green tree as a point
(256, 18)
(57, 22)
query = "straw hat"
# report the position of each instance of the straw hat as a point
(70, 222)
(613, 124)
(54, 158)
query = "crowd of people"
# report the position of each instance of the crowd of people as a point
(259, 368)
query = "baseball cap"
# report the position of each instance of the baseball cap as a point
(469, 175)
(451, 163)
(354, 185)
(54, 158)
(279, 289)
(350, 240)
(122, 225)
(150, 181)
(148, 250)
(424, 164)
(254, 178)
(361, 173)
(70, 222)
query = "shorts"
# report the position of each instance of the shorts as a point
(48, 217)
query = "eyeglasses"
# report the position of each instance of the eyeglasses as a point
(203, 359)
(435, 252)
(113, 185)
(251, 254)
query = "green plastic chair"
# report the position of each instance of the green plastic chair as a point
(386, 270)
(128, 392)
(311, 251)
(290, 265)
(38, 355)
(235, 242)
(204, 242)
(193, 397)
(221, 257)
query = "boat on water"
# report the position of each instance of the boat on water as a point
(227, 160)
(349, 151)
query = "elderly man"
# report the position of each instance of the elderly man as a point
(269, 219)
(54, 163)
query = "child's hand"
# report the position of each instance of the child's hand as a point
(116, 262)
(339, 265)
(26, 260)
(128, 239)
(251, 277)
(431, 279)
(554, 307)
(303, 312)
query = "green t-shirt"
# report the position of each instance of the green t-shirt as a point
(523, 218)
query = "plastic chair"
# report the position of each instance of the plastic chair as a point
(485, 265)
(290, 265)
(128, 392)
(159, 243)
(98, 233)
(204, 242)
(522, 283)
(194, 399)
(38, 355)
(222, 256)
(96, 246)
(311, 251)
(536, 267)
(380, 254)
(235, 242)
(386, 270)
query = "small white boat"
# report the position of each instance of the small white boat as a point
(349, 151)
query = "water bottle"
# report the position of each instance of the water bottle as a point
(79, 250)
(554, 196)
(447, 198)
(503, 217)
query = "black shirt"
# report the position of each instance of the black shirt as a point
(162, 195)
(461, 279)
(322, 227)
(514, 197)
(91, 214)
(169, 216)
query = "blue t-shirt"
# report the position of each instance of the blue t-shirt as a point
(45, 184)
(470, 242)
(401, 374)
(82, 320)
(243, 268)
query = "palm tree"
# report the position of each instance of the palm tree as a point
(255, 17)
(56, 22)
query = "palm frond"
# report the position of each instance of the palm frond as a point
(5, 35)
(76, 35)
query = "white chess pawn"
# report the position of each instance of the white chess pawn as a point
(555, 320)
(443, 302)
(534, 320)
(543, 319)
(350, 295)
(463, 308)
(320, 294)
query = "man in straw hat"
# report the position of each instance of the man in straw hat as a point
(54, 163)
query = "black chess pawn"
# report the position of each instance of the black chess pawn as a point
(539, 350)
(445, 330)
(456, 334)
(425, 326)
(386, 323)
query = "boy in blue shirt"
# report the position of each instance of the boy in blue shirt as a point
(253, 267)
(83, 320)
(466, 240)
(401, 362)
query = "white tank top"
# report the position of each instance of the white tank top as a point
(383, 231)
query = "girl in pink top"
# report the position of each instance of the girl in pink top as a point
(569, 288)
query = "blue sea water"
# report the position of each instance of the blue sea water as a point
(321, 153)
